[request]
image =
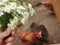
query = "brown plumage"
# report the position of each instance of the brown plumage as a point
(37, 36)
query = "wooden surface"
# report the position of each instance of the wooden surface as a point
(56, 5)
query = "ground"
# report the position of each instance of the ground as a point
(44, 17)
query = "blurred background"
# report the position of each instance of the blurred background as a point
(45, 17)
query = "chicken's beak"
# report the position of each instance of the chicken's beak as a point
(39, 35)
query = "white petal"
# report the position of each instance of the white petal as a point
(23, 21)
(26, 15)
(29, 5)
(1, 3)
(4, 0)
(13, 5)
(21, 7)
(1, 13)
(7, 9)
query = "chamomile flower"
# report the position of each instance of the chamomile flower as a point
(23, 21)
(4, 0)
(32, 12)
(29, 5)
(31, 9)
(19, 11)
(2, 9)
(26, 15)
(21, 7)
(13, 23)
(1, 3)
(7, 9)
(13, 5)
(14, 13)
(1, 13)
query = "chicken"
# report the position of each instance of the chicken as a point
(31, 36)
(37, 36)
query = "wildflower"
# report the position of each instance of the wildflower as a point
(23, 20)
(1, 13)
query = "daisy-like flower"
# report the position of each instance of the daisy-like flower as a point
(19, 11)
(26, 15)
(15, 12)
(7, 9)
(29, 5)
(1, 3)
(23, 21)
(32, 12)
(4, 0)
(31, 9)
(2, 9)
(13, 5)
(21, 7)
(13, 23)
(1, 13)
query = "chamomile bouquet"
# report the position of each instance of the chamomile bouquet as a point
(14, 12)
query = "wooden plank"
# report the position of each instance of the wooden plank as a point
(56, 5)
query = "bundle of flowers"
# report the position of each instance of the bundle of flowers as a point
(14, 12)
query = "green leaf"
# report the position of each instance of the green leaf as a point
(4, 20)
